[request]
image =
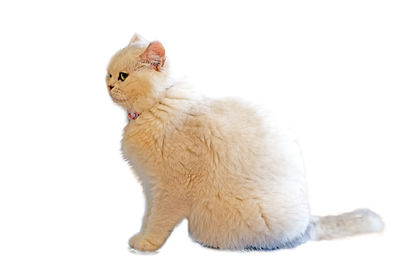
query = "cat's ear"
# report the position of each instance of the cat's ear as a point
(155, 55)
(137, 38)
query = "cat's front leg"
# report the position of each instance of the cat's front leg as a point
(163, 213)
(140, 242)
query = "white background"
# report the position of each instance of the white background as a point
(331, 68)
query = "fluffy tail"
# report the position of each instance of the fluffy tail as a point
(360, 221)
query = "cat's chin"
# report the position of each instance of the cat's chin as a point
(119, 100)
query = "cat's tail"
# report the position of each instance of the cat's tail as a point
(360, 221)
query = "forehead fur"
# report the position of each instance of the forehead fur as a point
(127, 59)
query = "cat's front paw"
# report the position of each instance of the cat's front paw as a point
(143, 243)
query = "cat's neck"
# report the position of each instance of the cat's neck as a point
(134, 114)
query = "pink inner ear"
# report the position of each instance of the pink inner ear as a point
(154, 54)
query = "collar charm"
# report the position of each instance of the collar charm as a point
(133, 116)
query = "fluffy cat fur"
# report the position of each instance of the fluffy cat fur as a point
(236, 176)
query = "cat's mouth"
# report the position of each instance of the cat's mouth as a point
(118, 98)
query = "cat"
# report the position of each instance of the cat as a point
(236, 175)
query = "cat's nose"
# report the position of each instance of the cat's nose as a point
(110, 87)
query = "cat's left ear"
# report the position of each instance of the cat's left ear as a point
(137, 38)
(155, 55)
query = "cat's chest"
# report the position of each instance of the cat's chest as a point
(140, 144)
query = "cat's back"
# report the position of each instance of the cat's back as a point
(237, 128)
(232, 140)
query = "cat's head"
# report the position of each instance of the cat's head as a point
(138, 74)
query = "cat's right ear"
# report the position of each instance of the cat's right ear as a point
(137, 38)
(155, 55)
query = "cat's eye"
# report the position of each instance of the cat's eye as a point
(109, 75)
(122, 76)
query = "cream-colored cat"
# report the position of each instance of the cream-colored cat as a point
(236, 176)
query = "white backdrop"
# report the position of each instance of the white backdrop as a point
(331, 68)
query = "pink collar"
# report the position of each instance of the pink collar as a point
(133, 116)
